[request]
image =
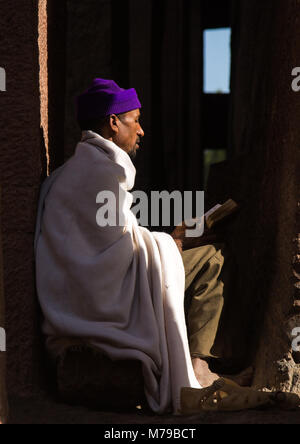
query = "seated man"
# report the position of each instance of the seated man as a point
(118, 286)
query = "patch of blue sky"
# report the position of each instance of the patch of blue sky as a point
(217, 60)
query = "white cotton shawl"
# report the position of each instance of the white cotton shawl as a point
(120, 288)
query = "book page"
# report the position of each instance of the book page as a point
(200, 222)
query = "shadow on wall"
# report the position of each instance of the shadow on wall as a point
(249, 237)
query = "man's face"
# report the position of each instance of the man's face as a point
(129, 132)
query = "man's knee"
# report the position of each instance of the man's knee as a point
(201, 255)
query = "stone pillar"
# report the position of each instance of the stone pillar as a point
(264, 177)
(57, 29)
(22, 166)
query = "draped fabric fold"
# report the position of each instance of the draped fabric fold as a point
(119, 287)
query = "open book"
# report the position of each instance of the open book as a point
(220, 212)
(213, 217)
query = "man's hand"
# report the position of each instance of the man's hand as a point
(179, 244)
(188, 243)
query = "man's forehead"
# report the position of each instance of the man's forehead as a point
(136, 113)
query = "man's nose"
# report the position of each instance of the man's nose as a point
(141, 132)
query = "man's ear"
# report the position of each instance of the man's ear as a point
(113, 123)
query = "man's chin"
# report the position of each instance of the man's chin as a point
(132, 154)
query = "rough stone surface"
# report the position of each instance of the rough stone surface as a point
(21, 169)
(263, 175)
(43, 74)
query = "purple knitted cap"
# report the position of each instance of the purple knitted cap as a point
(105, 97)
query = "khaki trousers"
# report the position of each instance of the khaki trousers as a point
(203, 297)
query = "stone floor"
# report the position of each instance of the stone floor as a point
(39, 410)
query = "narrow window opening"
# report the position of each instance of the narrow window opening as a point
(216, 88)
(217, 61)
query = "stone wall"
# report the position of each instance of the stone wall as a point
(274, 124)
(22, 166)
(263, 175)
